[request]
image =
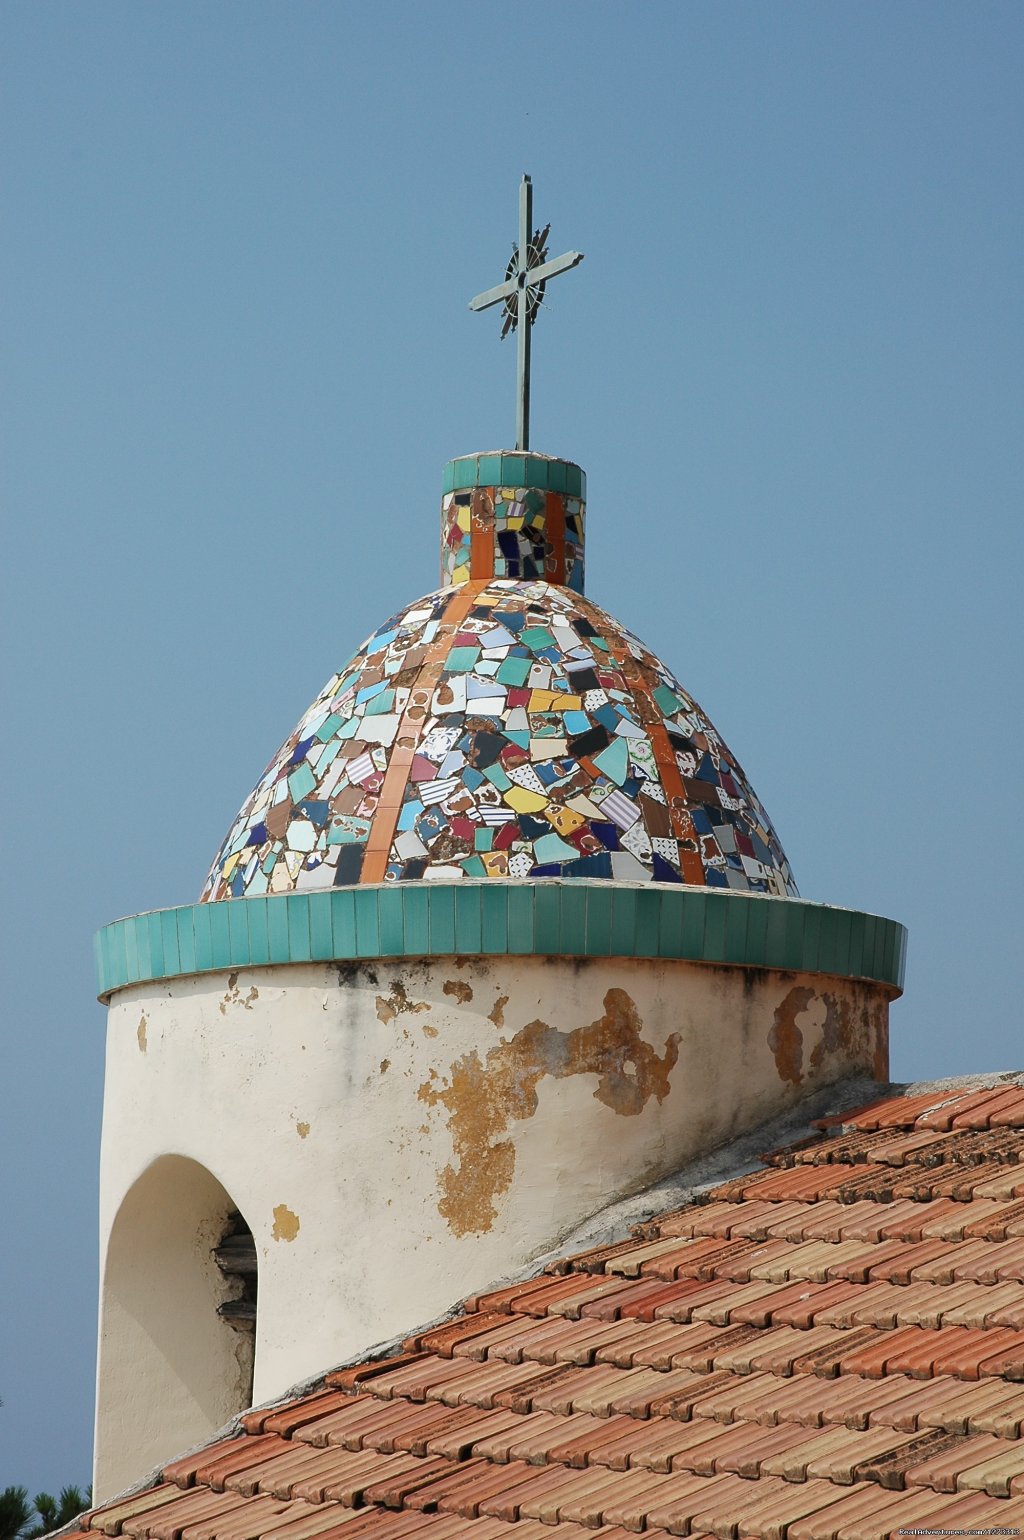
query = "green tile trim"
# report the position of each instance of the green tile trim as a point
(506, 469)
(536, 919)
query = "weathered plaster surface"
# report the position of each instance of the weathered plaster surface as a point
(393, 1141)
(483, 1097)
(832, 1022)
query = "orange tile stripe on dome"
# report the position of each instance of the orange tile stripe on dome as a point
(382, 830)
(503, 726)
(830, 1348)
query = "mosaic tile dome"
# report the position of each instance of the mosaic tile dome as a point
(503, 726)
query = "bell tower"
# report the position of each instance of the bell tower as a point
(501, 934)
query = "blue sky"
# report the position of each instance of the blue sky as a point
(239, 243)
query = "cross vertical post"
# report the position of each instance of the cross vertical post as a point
(522, 294)
(524, 327)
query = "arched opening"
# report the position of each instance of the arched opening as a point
(177, 1320)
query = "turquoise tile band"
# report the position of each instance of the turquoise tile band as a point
(549, 918)
(507, 469)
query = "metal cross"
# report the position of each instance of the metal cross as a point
(523, 292)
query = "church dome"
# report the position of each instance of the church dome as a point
(503, 726)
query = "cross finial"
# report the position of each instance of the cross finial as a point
(526, 275)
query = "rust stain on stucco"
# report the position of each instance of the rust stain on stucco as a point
(785, 1038)
(141, 1033)
(459, 990)
(483, 1096)
(880, 1051)
(854, 1027)
(286, 1224)
(397, 1002)
(497, 1011)
(850, 1027)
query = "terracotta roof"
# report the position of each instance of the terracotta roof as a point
(828, 1348)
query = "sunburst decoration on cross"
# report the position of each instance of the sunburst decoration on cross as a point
(522, 294)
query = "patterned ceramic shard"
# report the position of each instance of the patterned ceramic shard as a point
(501, 727)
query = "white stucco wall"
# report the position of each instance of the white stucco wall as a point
(398, 1134)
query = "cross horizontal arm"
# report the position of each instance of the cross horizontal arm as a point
(551, 269)
(493, 296)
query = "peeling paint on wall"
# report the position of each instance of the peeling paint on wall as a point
(459, 990)
(785, 1038)
(397, 1002)
(141, 1033)
(844, 1028)
(849, 1026)
(234, 995)
(302, 1129)
(286, 1224)
(497, 1011)
(483, 1097)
